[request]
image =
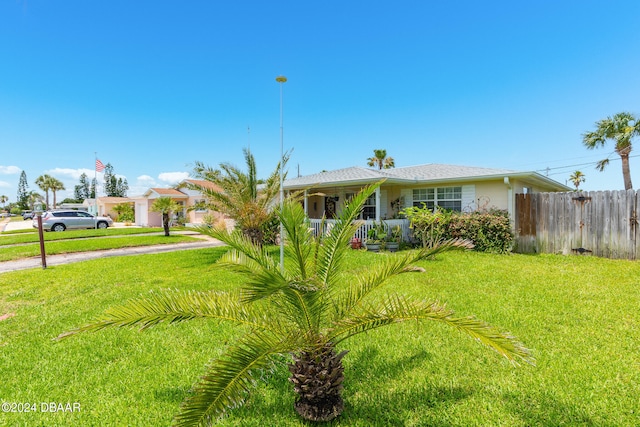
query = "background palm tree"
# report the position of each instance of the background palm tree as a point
(166, 206)
(44, 182)
(33, 198)
(235, 193)
(55, 185)
(303, 313)
(577, 178)
(620, 128)
(381, 160)
(4, 199)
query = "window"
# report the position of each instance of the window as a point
(424, 196)
(369, 208)
(200, 205)
(449, 198)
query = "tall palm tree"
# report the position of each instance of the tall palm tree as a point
(620, 128)
(235, 192)
(166, 206)
(577, 178)
(44, 182)
(304, 313)
(381, 160)
(4, 199)
(55, 185)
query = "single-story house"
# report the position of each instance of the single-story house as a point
(145, 217)
(192, 201)
(106, 205)
(459, 188)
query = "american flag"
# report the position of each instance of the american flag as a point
(99, 166)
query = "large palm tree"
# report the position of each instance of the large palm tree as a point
(620, 128)
(44, 182)
(304, 313)
(381, 160)
(235, 192)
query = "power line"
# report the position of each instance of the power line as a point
(547, 169)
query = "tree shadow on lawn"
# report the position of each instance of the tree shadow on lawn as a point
(395, 403)
(369, 370)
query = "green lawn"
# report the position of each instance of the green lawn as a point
(579, 315)
(8, 253)
(31, 235)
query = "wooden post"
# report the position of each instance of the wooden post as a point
(43, 255)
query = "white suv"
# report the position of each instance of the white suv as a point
(62, 220)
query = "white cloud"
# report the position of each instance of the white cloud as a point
(145, 180)
(73, 173)
(173, 177)
(9, 170)
(5, 184)
(141, 185)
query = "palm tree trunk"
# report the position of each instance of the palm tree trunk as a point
(626, 173)
(317, 377)
(165, 223)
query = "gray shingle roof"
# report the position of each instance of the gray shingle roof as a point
(429, 172)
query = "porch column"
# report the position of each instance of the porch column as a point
(306, 203)
(378, 204)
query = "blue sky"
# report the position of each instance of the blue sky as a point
(154, 86)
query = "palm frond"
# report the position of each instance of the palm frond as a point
(264, 276)
(228, 379)
(298, 239)
(336, 243)
(174, 307)
(261, 260)
(602, 164)
(395, 309)
(390, 267)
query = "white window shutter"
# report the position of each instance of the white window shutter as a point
(406, 197)
(469, 198)
(383, 203)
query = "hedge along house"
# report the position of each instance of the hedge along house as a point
(459, 188)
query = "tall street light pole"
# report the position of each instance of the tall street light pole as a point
(281, 80)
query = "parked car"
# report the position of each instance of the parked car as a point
(27, 215)
(63, 220)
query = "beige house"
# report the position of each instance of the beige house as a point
(106, 205)
(191, 201)
(459, 188)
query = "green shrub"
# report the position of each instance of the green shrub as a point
(429, 227)
(489, 231)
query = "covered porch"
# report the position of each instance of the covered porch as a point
(322, 226)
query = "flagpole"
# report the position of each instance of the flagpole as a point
(95, 178)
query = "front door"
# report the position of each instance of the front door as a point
(330, 207)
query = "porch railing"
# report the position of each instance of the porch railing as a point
(322, 226)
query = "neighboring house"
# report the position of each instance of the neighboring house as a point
(192, 213)
(145, 217)
(196, 210)
(106, 205)
(459, 188)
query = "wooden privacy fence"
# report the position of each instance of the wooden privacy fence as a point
(601, 223)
